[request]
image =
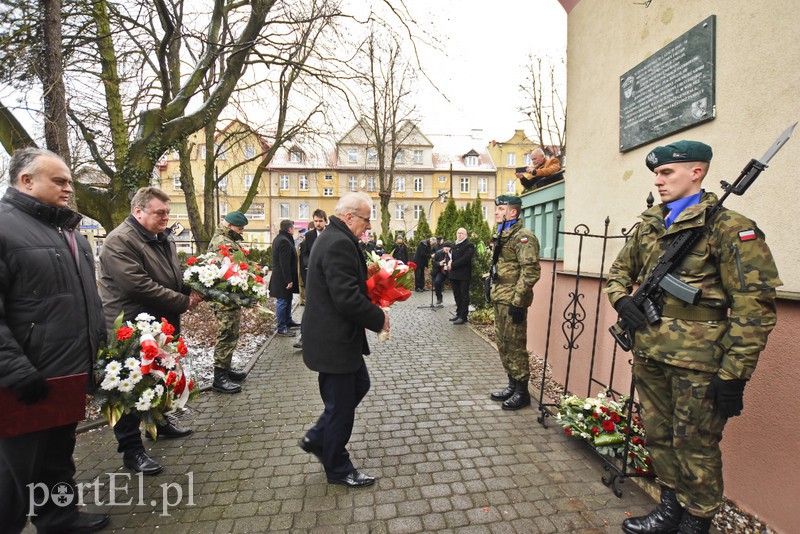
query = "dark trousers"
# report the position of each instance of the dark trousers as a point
(419, 277)
(43, 457)
(438, 284)
(341, 394)
(461, 295)
(129, 437)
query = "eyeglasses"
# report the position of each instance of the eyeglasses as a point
(365, 219)
(158, 213)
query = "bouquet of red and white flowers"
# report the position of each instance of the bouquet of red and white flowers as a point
(141, 371)
(227, 277)
(389, 281)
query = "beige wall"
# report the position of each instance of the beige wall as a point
(757, 80)
(757, 76)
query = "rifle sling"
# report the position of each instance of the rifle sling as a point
(694, 313)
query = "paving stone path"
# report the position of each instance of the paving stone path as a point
(447, 458)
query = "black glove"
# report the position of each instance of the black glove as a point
(32, 388)
(517, 314)
(727, 395)
(630, 312)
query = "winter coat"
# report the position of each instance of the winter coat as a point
(337, 306)
(462, 253)
(51, 318)
(284, 267)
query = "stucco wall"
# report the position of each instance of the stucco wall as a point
(757, 76)
(757, 80)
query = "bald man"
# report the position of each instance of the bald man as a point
(541, 167)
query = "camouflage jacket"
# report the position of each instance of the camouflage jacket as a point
(517, 267)
(225, 236)
(732, 266)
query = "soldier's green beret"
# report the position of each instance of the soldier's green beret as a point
(505, 200)
(236, 218)
(678, 152)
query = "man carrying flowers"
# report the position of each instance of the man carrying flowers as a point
(51, 325)
(228, 235)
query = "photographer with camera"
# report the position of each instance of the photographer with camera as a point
(440, 269)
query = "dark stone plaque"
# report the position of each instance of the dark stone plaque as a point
(671, 90)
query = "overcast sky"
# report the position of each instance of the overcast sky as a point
(485, 50)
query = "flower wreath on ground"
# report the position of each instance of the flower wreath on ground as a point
(141, 372)
(602, 422)
(389, 280)
(227, 277)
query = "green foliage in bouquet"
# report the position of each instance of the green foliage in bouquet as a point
(602, 422)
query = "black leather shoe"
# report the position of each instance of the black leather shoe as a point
(454, 318)
(354, 479)
(140, 462)
(170, 430)
(310, 448)
(85, 522)
(298, 344)
(236, 376)
(285, 333)
(460, 320)
(223, 384)
(294, 325)
(665, 519)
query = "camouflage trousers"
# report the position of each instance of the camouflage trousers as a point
(228, 321)
(683, 432)
(512, 341)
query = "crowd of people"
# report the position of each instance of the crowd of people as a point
(55, 313)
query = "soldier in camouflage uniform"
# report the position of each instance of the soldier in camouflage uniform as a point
(229, 233)
(691, 367)
(517, 269)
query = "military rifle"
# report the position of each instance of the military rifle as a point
(648, 294)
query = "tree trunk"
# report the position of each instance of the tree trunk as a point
(51, 74)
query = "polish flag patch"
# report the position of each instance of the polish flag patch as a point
(523, 240)
(747, 235)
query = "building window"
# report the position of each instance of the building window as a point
(284, 182)
(249, 152)
(284, 211)
(223, 209)
(399, 212)
(302, 182)
(256, 211)
(248, 180)
(418, 157)
(400, 184)
(442, 179)
(302, 212)
(372, 155)
(400, 157)
(464, 188)
(471, 161)
(371, 184)
(327, 192)
(328, 177)
(174, 155)
(417, 212)
(483, 184)
(418, 182)
(201, 151)
(511, 160)
(373, 213)
(176, 182)
(223, 184)
(528, 160)
(352, 183)
(295, 156)
(221, 151)
(484, 212)
(511, 187)
(352, 155)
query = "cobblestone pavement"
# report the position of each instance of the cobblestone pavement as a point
(447, 458)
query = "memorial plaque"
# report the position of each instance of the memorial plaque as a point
(671, 90)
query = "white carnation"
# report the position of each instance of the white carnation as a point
(143, 404)
(125, 385)
(145, 317)
(136, 376)
(132, 363)
(113, 369)
(110, 382)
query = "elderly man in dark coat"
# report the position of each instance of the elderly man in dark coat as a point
(337, 313)
(284, 281)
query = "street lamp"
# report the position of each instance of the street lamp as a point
(441, 196)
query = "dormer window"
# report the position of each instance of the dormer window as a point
(295, 156)
(471, 161)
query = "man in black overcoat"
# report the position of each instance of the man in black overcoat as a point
(284, 281)
(337, 313)
(422, 258)
(460, 272)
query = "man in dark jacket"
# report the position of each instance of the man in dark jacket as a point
(400, 250)
(334, 338)
(422, 258)
(284, 280)
(140, 273)
(320, 220)
(460, 272)
(51, 325)
(440, 269)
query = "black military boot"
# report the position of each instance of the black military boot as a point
(222, 383)
(665, 519)
(236, 376)
(691, 524)
(520, 398)
(506, 393)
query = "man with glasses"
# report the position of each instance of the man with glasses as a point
(140, 273)
(337, 313)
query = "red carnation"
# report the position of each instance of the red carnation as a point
(637, 440)
(632, 455)
(150, 350)
(595, 430)
(124, 333)
(603, 409)
(246, 252)
(615, 417)
(167, 328)
(608, 426)
(225, 251)
(568, 431)
(182, 350)
(412, 265)
(243, 266)
(639, 470)
(259, 279)
(191, 261)
(171, 378)
(257, 268)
